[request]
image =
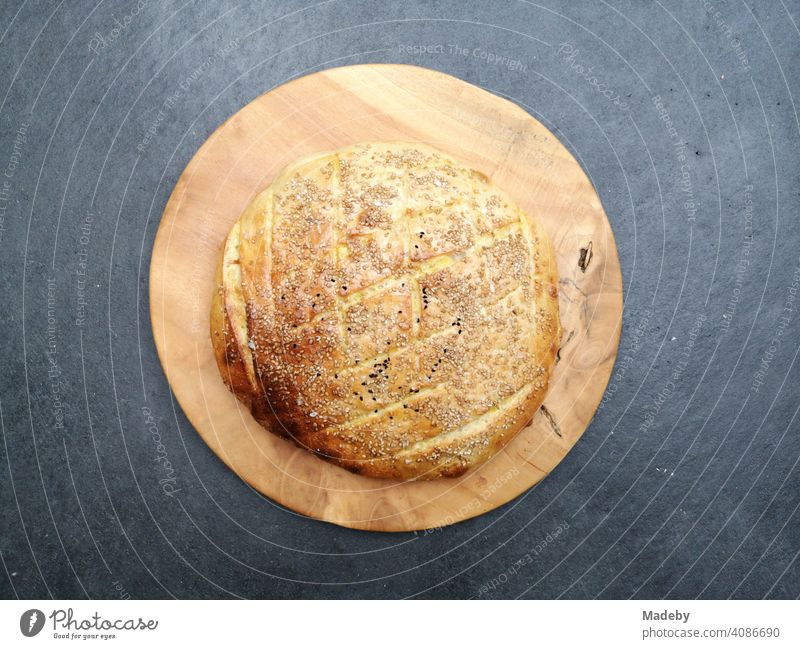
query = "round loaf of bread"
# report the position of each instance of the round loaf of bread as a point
(388, 309)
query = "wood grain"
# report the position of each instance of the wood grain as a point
(326, 111)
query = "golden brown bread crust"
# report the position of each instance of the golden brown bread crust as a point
(389, 310)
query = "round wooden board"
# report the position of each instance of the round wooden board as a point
(326, 111)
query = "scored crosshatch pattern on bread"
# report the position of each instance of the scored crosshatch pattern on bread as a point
(329, 111)
(388, 309)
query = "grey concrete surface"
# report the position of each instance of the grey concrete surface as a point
(685, 117)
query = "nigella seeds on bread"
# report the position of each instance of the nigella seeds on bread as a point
(389, 310)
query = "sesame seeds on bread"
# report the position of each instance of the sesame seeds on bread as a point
(389, 310)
